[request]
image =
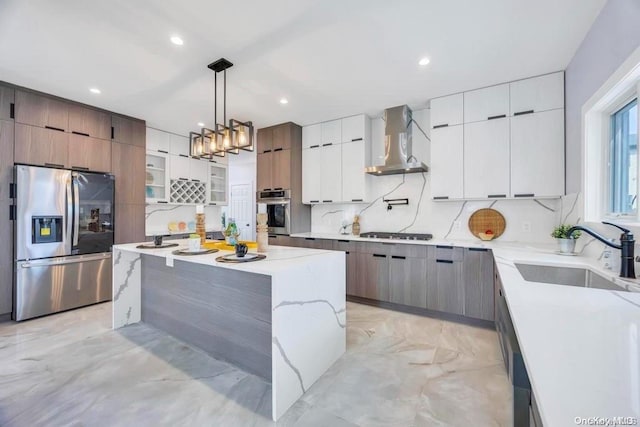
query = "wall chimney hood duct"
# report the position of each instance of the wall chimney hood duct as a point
(397, 145)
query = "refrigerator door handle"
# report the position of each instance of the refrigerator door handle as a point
(63, 261)
(76, 209)
(69, 224)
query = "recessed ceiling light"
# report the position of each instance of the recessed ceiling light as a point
(424, 61)
(284, 101)
(177, 40)
(201, 124)
(95, 90)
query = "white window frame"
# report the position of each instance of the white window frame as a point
(619, 89)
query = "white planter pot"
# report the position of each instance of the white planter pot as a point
(566, 246)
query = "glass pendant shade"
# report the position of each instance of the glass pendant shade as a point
(241, 135)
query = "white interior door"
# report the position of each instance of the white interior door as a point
(242, 209)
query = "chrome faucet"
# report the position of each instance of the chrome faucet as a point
(626, 247)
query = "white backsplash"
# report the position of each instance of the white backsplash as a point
(158, 217)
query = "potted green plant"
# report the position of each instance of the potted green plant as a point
(566, 243)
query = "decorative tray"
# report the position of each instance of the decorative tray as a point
(152, 246)
(222, 245)
(202, 251)
(233, 258)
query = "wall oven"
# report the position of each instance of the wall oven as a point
(278, 210)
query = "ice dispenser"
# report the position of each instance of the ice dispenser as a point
(46, 229)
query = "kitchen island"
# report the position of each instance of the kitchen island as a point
(282, 318)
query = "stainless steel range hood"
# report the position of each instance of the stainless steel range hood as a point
(397, 145)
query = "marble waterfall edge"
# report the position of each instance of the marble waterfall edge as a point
(127, 285)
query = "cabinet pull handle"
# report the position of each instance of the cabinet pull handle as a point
(276, 149)
(273, 236)
(347, 252)
(163, 151)
(52, 128)
(327, 201)
(183, 179)
(496, 196)
(182, 155)
(500, 291)
(379, 256)
(522, 113)
(12, 191)
(81, 168)
(330, 143)
(266, 151)
(343, 241)
(54, 165)
(79, 133)
(195, 180)
(444, 125)
(443, 247)
(161, 201)
(501, 116)
(278, 188)
(212, 203)
(309, 238)
(357, 200)
(266, 189)
(314, 146)
(441, 198)
(112, 133)
(446, 261)
(12, 212)
(314, 201)
(524, 195)
(213, 161)
(479, 249)
(398, 257)
(356, 139)
(12, 111)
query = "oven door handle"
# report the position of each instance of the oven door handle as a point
(275, 201)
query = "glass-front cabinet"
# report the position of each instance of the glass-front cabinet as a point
(217, 187)
(157, 177)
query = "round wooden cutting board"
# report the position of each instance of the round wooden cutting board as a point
(487, 219)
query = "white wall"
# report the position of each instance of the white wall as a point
(442, 219)
(158, 217)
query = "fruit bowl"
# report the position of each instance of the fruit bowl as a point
(486, 236)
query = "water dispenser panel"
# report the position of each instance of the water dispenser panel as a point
(46, 229)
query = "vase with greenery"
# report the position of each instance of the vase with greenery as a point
(566, 243)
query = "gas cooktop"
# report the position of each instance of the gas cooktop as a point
(397, 236)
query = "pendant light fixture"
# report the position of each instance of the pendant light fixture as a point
(225, 137)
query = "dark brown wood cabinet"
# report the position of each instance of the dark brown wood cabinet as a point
(478, 283)
(6, 158)
(128, 131)
(280, 169)
(264, 171)
(41, 111)
(42, 147)
(7, 103)
(282, 136)
(86, 153)
(373, 276)
(408, 280)
(264, 139)
(127, 165)
(129, 223)
(89, 122)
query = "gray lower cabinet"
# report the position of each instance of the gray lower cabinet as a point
(445, 287)
(478, 284)
(408, 281)
(279, 240)
(372, 276)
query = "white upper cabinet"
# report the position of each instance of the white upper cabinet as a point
(486, 159)
(354, 179)
(311, 175)
(180, 167)
(355, 128)
(311, 136)
(179, 145)
(199, 170)
(331, 181)
(537, 154)
(447, 111)
(537, 94)
(158, 140)
(446, 164)
(487, 103)
(331, 132)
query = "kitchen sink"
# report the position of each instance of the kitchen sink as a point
(566, 276)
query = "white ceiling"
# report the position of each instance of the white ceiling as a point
(330, 58)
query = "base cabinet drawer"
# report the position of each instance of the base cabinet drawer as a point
(408, 281)
(445, 287)
(373, 276)
(478, 284)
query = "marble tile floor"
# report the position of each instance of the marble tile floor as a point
(71, 369)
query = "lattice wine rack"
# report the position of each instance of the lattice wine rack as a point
(183, 191)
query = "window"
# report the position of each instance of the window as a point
(623, 160)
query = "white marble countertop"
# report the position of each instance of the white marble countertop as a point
(278, 258)
(581, 346)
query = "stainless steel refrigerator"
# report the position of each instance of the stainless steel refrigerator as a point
(63, 233)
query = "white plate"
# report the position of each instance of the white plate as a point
(234, 257)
